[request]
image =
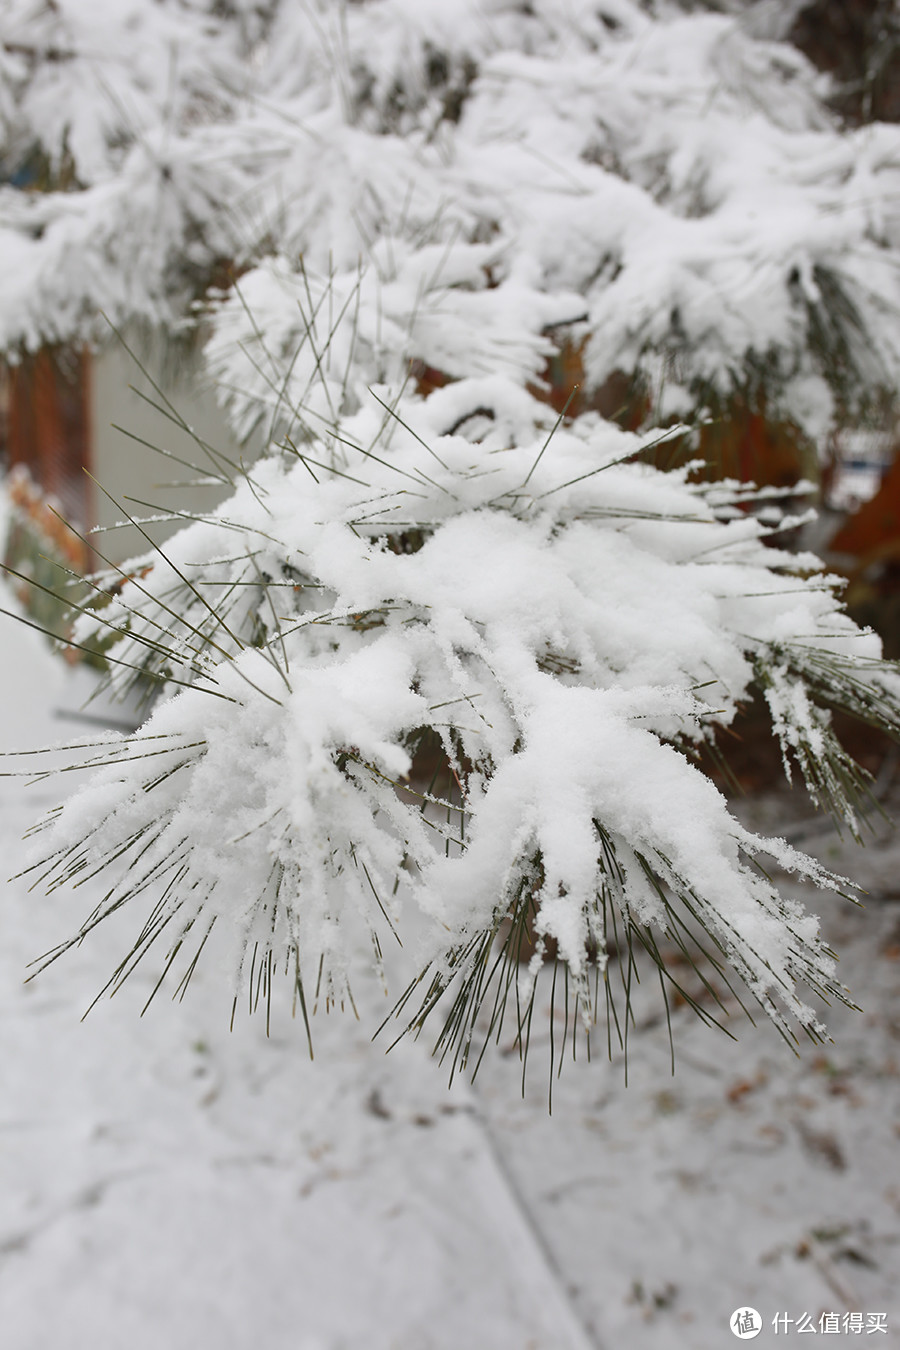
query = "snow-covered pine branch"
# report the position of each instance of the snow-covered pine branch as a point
(554, 624)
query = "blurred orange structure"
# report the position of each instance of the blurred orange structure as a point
(48, 426)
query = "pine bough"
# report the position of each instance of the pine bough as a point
(449, 657)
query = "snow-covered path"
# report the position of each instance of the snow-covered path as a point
(164, 1182)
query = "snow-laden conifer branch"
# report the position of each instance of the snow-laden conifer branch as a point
(464, 675)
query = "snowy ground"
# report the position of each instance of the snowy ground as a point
(166, 1182)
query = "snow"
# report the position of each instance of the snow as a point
(167, 1181)
(568, 623)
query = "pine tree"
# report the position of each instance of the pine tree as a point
(661, 189)
(447, 648)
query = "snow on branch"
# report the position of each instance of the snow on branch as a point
(410, 670)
